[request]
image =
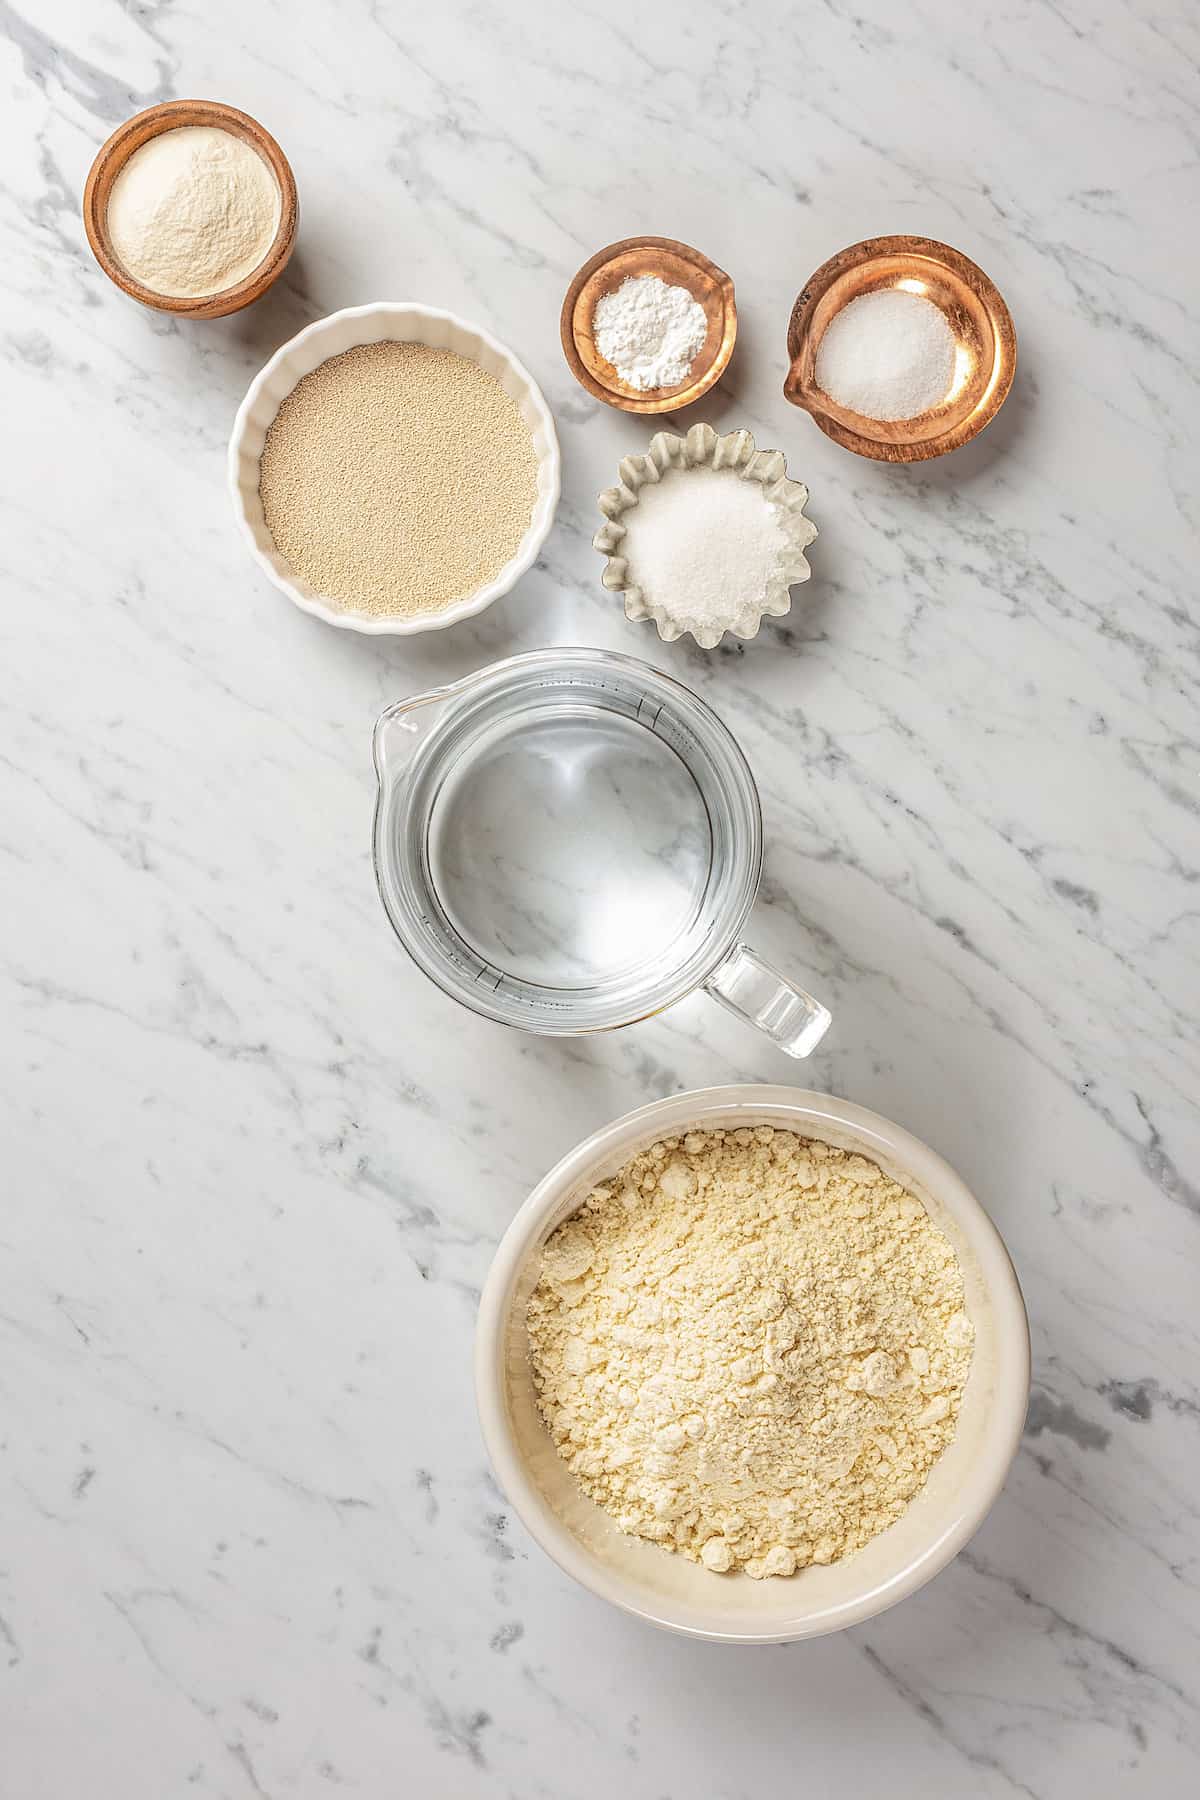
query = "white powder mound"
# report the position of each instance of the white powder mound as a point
(703, 543)
(750, 1348)
(887, 355)
(194, 211)
(649, 331)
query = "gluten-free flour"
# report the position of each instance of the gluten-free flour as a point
(193, 211)
(750, 1348)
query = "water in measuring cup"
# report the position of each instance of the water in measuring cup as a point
(570, 847)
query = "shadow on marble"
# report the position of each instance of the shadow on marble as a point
(404, 666)
(413, 664)
(727, 407)
(823, 1678)
(977, 461)
(789, 636)
(283, 310)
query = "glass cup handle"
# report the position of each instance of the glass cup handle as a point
(754, 991)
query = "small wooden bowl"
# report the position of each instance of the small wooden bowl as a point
(111, 159)
(985, 345)
(678, 265)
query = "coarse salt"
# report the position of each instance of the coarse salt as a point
(888, 355)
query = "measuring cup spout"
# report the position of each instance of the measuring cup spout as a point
(400, 728)
(752, 990)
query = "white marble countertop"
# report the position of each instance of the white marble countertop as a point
(255, 1166)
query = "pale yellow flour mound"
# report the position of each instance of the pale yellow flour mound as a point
(750, 1348)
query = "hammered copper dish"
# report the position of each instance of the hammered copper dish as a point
(111, 158)
(985, 345)
(678, 265)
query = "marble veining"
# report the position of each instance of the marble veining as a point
(256, 1166)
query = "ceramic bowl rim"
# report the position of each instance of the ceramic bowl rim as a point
(535, 536)
(891, 444)
(1012, 1373)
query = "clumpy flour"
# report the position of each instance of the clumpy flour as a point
(650, 331)
(750, 1348)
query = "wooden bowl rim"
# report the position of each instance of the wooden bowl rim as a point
(172, 115)
(1004, 362)
(681, 397)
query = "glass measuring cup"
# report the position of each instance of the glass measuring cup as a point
(569, 841)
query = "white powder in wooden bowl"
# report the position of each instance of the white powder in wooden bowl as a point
(397, 479)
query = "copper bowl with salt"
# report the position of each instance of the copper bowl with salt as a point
(985, 345)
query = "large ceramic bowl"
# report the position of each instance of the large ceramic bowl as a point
(669, 1590)
(406, 323)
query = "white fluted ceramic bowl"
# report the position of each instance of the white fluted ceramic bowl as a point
(670, 1590)
(404, 322)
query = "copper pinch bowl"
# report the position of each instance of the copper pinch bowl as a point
(678, 265)
(985, 345)
(111, 158)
